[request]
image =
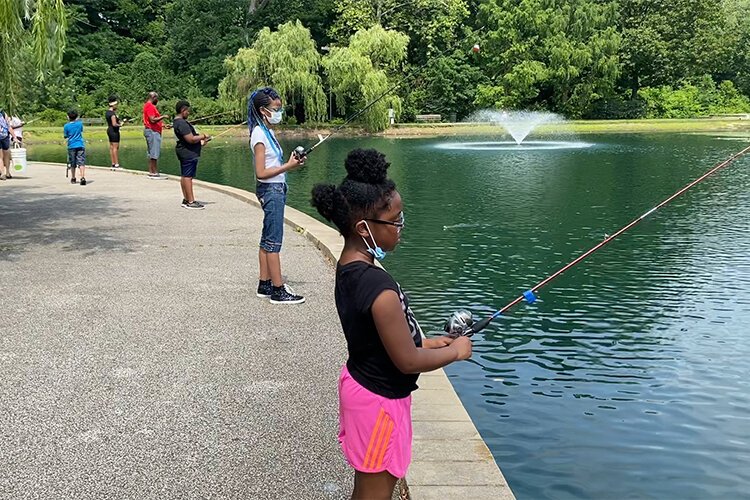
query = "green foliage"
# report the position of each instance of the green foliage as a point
(286, 60)
(582, 58)
(448, 86)
(365, 70)
(198, 49)
(46, 37)
(562, 54)
(692, 100)
(436, 24)
(666, 42)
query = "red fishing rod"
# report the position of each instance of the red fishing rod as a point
(530, 295)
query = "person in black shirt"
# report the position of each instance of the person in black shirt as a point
(386, 348)
(188, 150)
(113, 131)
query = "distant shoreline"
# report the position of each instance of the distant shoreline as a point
(46, 135)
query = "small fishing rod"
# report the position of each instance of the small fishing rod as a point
(300, 151)
(229, 129)
(211, 116)
(529, 296)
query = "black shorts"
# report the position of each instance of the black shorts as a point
(5, 143)
(188, 167)
(113, 135)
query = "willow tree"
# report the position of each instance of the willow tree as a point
(286, 60)
(47, 23)
(367, 69)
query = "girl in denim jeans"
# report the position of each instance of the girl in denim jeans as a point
(264, 111)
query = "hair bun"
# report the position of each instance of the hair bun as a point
(324, 199)
(367, 165)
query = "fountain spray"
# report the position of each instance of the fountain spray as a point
(468, 328)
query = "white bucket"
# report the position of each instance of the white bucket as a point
(18, 160)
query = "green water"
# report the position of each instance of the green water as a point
(629, 378)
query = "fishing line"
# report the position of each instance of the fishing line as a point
(300, 151)
(529, 296)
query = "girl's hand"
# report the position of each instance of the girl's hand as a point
(438, 342)
(295, 162)
(462, 345)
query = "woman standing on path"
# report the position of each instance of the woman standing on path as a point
(386, 349)
(113, 131)
(263, 113)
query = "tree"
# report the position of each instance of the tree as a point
(433, 26)
(286, 60)
(665, 42)
(199, 49)
(47, 22)
(548, 53)
(447, 85)
(365, 70)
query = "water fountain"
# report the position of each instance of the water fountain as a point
(519, 125)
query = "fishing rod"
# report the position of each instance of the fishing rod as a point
(229, 129)
(211, 116)
(461, 322)
(300, 151)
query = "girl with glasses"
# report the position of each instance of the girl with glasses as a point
(387, 351)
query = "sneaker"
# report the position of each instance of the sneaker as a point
(2, 177)
(83, 181)
(265, 289)
(284, 295)
(72, 180)
(194, 206)
(156, 177)
(184, 202)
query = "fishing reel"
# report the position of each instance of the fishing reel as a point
(300, 152)
(459, 324)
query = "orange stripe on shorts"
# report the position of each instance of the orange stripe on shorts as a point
(380, 455)
(373, 437)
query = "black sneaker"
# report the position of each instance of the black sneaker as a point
(184, 202)
(83, 181)
(265, 289)
(194, 206)
(72, 180)
(284, 295)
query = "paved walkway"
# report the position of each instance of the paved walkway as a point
(136, 361)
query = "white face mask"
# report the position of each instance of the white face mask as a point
(275, 117)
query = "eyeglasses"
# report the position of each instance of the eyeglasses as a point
(399, 225)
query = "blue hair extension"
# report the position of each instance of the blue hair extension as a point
(254, 118)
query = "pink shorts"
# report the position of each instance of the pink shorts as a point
(374, 431)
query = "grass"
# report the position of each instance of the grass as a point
(39, 135)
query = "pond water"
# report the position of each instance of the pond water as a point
(629, 378)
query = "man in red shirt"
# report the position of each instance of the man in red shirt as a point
(152, 123)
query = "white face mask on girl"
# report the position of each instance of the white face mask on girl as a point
(275, 117)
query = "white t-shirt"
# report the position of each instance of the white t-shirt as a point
(273, 151)
(16, 122)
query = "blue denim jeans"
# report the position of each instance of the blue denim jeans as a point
(272, 197)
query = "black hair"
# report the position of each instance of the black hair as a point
(259, 99)
(113, 98)
(181, 105)
(365, 190)
(72, 115)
